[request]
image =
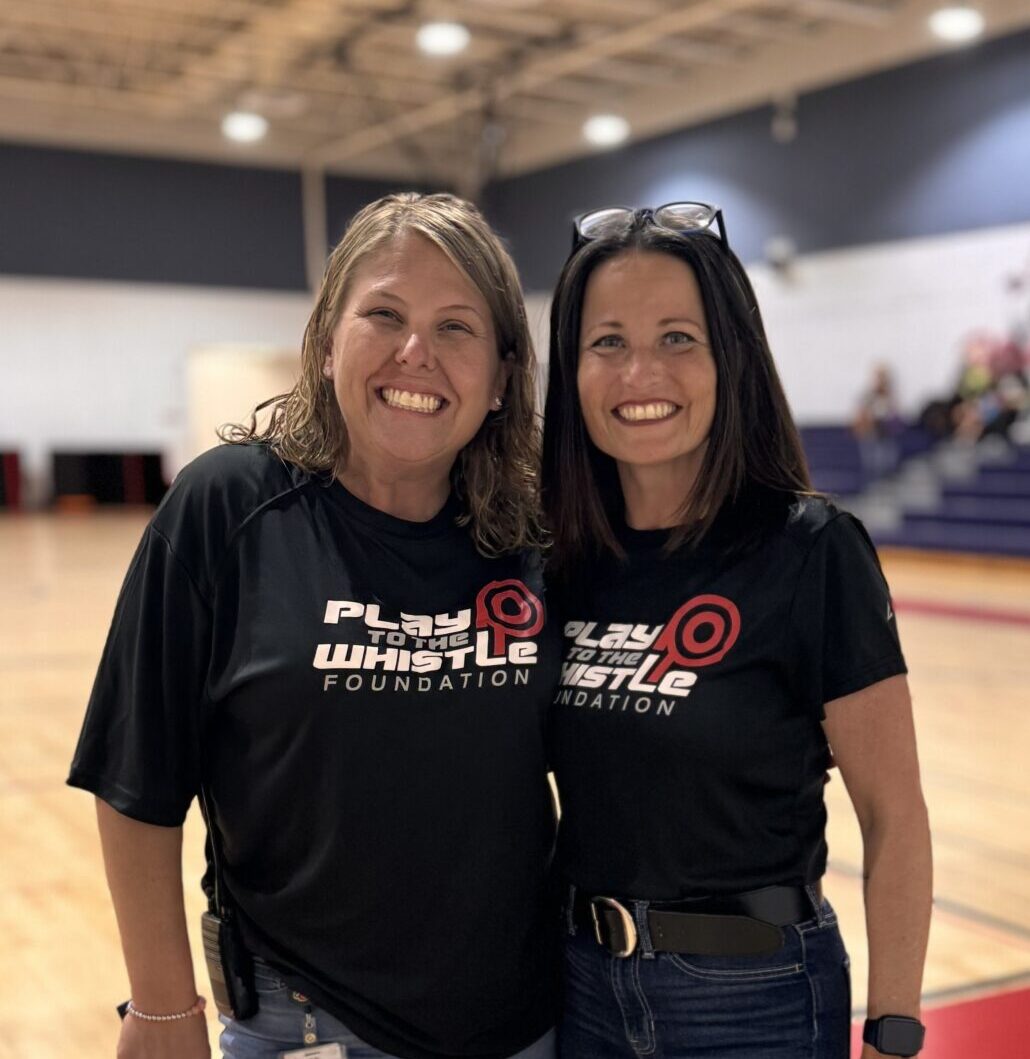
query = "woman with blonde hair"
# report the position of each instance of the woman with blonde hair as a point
(333, 634)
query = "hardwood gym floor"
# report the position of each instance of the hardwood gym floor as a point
(965, 626)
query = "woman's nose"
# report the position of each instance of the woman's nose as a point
(415, 352)
(639, 365)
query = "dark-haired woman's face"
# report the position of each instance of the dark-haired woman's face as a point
(647, 378)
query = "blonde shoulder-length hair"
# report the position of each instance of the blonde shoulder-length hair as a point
(495, 476)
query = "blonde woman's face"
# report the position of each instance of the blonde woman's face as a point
(414, 360)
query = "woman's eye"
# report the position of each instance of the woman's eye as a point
(457, 326)
(384, 314)
(679, 338)
(607, 342)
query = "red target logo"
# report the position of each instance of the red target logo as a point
(699, 634)
(508, 609)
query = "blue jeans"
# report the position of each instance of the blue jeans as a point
(794, 1004)
(281, 1024)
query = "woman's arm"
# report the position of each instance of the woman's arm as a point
(873, 740)
(144, 874)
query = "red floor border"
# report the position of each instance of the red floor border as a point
(996, 1026)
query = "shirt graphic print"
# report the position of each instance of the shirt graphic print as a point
(487, 645)
(622, 666)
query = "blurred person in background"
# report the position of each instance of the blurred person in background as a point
(876, 425)
(333, 632)
(724, 628)
(992, 390)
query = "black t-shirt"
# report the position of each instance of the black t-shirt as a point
(365, 700)
(688, 747)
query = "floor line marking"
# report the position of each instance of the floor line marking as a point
(972, 611)
(1014, 933)
(992, 986)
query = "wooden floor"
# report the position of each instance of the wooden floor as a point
(58, 581)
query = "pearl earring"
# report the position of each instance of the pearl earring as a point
(498, 403)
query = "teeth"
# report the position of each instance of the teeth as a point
(651, 410)
(412, 402)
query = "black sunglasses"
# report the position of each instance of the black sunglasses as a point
(679, 217)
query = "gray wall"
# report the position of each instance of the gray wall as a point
(937, 146)
(101, 216)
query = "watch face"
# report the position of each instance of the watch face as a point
(900, 1036)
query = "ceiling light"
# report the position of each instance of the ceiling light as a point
(244, 126)
(443, 38)
(957, 25)
(606, 130)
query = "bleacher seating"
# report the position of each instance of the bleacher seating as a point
(836, 461)
(988, 513)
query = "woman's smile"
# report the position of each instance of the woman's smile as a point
(637, 413)
(411, 400)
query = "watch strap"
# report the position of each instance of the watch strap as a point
(895, 1035)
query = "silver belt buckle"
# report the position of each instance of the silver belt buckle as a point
(629, 928)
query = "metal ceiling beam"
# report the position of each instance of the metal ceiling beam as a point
(556, 64)
(853, 11)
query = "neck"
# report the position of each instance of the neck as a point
(654, 494)
(415, 495)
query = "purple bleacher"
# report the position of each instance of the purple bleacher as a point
(838, 482)
(978, 511)
(834, 459)
(1006, 470)
(913, 441)
(989, 514)
(997, 486)
(1020, 459)
(835, 456)
(983, 538)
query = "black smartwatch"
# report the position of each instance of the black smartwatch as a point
(894, 1034)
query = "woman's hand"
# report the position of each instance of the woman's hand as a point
(182, 1039)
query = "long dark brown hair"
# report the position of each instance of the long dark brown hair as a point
(753, 446)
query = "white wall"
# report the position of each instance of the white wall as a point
(911, 303)
(105, 364)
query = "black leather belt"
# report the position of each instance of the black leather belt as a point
(747, 924)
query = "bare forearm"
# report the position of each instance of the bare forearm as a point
(898, 898)
(144, 874)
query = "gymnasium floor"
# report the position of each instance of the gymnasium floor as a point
(965, 625)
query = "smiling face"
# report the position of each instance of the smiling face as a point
(646, 377)
(414, 361)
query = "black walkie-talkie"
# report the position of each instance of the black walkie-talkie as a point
(229, 965)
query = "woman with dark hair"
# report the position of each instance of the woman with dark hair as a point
(333, 635)
(724, 629)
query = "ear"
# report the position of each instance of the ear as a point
(327, 365)
(504, 370)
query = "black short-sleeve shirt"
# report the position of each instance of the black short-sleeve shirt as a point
(365, 701)
(688, 744)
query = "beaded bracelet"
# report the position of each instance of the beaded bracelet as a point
(197, 1009)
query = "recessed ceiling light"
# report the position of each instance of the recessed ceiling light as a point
(957, 25)
(606, 130)
(244, 126)
(443, 38)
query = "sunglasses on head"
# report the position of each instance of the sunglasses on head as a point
(678, 217)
